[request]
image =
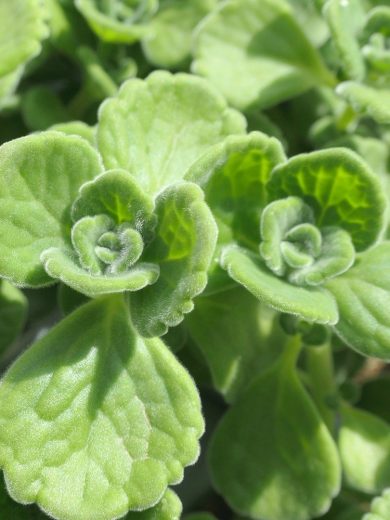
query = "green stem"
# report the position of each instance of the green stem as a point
(321, 376)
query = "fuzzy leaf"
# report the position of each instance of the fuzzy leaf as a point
(237, 336)
(153, 128)
(364, 446)
(12, 510)
(255, 53)
(185, 241)
(22, 29)
(363, 298)
(94, 420)
(169, 508)
(310, 303)
(39, 178)
(117, 21)
(76, 128)
(271, 456)
(233, 175)
(13, 311)
(346, 20)
(339, 187)
(380, 507)
(371, 101)
(168, 39)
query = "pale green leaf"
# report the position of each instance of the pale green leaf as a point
(169, 508)
(238, 337)
(340, 188)
(255, 53)
(155, 130)
(346, 20)
(13, 311)
(76, 128)
(183, 248)
(363, 299)
(234, 175)
(272, 456)
(117, 21)
(380, 507)
(96, 421)
(39, 178)
(364, 446)
(374, 102)
(23, 26)
(8, 85)
(11, 510)
(168, 38)
(310, 303)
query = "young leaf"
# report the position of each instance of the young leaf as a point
(380, 507)
(76, 128)
(168, 38)
(13, 311)
(22, 29)
(368, 100)
(237, 336)
(234, 175)
(155, 130)
(183, 247)
(363, 299)
(339, 187)
(255, 53)
(271, 456)
(169, 508)
(310, 303)
(94, 420)
(346, 20)
(364, 445)
(39, 178)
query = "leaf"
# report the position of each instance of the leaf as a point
(39, 178)
(310, 303)
(12, 510)
(364, 446)
(339, 187)
(271, 455)
(233, 175)
(346, 20)
(363, 299)
(154, 129)
(183, 248)
(69, 300)
(94, 420)
(42, 108)
(169, 508)
(238, 337)
(380, 507)
(255, 53)
(167, 42)
(23, 28)
(76, 128)
(13, 312)
(374, 102)
(117, 22)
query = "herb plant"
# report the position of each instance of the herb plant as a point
(194, 262)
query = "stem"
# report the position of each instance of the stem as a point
(321, 376)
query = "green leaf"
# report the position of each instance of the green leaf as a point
(22, 29)
(183, 248)
(8, 85)
(374, 102)
(68, 299)
(13, 312)
(76, 128)
(233, 175)
(238, 337)
(255, 53)
(117, 21)
(380, 507)
(310, 303)
(39, 178)
(363, 298)
(42, 108)
(168, 38)
(12, 510)
(364, 446)
(339, 187)
(154, 129)
(346, 20)
(94, 420)
(271, 455)
(169, 508)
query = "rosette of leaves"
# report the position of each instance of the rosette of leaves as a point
(95, 419)
(302, 234)
(361, 40)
